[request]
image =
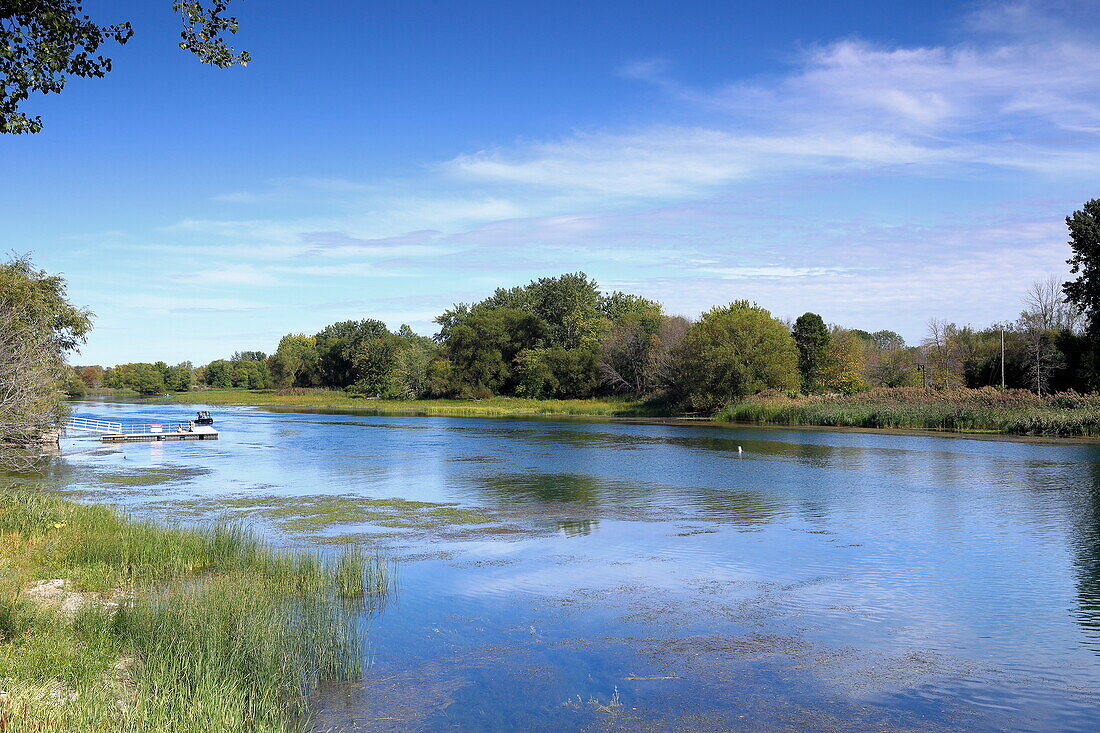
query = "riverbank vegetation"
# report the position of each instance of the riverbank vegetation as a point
(321, 399)
(38, 327)
(1010, 412)
(108, 623)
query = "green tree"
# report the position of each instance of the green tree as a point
(295, 361)
(736, 351)
(842, 363)
(219, 374)
(811, 336)
(619, 306)
(38, 328)
(483, 348)
(179, 377)
(250, 374)
(374, 364)
(337, 346)
(73, 385)
(557, 373)
(888, 362)
(945, 350)
(1084, 239)
(570, 306)
(141, 377)
(441, 378)
(412, 377)
(45, 42)
(38, 301)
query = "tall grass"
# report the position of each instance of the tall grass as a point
(215, 632)
(491, 407)
(1012, 412)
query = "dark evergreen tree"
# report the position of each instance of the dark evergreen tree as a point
(811, 336)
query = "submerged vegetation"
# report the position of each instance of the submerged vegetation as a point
(326, 518)
(1012, 412)
(108, 623)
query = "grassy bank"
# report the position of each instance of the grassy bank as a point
(108, 623)
(1010, 412)
(492, 407)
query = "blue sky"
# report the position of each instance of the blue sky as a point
(880, 164)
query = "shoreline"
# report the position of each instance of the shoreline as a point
(497, 408)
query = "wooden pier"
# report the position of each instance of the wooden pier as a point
(116, 432)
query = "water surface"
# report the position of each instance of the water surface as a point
(575, 575)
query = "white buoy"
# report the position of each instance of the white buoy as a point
(738, 450)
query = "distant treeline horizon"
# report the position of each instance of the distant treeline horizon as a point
(561, 337)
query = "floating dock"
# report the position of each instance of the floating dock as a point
(199, 432)
(116, 432)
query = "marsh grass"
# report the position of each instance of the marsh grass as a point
(1011, 412)
(491, 407)
(216, 632)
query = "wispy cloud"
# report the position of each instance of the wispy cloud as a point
(1017, 94)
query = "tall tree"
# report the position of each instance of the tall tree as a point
(811, 336)
(483, 349)
(44, 42)
(736, 351)
(1046, 317)
(663, 367)
(338, 345)
(38, 327)
(625, 354)
(219, 374)
(570, 307)
(842, 363)
(1048, 307)
(943, 354)
(294, 361)
(1084, 239)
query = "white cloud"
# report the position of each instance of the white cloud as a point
(1015, 96)
(230, 275)
(770, 272)
(677, 162)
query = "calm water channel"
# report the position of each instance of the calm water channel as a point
(571, 575)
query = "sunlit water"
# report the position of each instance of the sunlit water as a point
(648, 577)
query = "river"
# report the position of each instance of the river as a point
(557, 575)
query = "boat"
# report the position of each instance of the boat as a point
(203, 418)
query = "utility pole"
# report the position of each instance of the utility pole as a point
(1002, 358)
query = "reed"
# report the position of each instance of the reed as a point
(321, 399)
(1010, 412)
(214, 631)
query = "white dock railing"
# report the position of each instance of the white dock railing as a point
(93, 426)
(117, 428)
(164, 427)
